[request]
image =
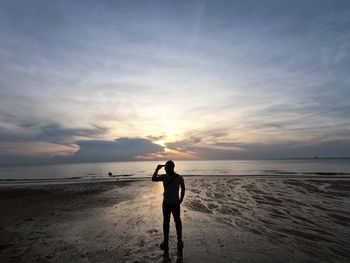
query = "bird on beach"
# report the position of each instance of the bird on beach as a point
(109, 173)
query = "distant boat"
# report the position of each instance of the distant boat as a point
(316, 157)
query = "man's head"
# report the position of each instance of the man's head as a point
(169, 167)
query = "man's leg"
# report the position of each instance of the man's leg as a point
(178, 224)
(166, 223)
(177, 219)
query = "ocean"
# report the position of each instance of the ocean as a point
(54, 173)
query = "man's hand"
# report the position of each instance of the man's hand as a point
(159, 167)
(180, 201)
(155, 177)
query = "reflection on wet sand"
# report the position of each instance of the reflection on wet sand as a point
(312, 216)
(225, 219)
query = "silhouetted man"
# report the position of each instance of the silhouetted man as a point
(171, 204)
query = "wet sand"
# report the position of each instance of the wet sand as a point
(225, 219)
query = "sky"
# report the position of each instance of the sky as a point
(85, 81)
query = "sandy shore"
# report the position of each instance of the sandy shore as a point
(225, 219)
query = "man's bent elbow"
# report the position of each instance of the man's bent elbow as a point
(154, 179)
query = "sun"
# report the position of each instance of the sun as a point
(166, 136)
(160, 142)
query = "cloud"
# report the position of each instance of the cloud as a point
(38, 132)
(57, 133)
(280, 149)
(241, 77)
(35, 152)
(122, 149)
(31, 142)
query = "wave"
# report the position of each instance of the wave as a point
(269, 174)
(40, 180)
(120, 175)
(281, 172)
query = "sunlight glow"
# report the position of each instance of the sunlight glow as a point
(160, 142)
(164, 81)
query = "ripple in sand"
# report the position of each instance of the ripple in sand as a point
(196, 205)
(340, 219)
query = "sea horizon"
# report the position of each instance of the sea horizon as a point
(181, 160)
(57, 172)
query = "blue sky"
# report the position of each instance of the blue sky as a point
(85, 80)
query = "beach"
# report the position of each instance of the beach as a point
(225, 219)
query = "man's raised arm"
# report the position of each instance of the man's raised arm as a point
(155, 177)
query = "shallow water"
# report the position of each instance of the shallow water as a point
(86, 171)
(225, 219)
(311, 216)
